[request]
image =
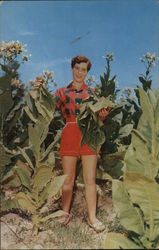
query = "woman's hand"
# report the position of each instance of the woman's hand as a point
(39, 82)
(103, 114)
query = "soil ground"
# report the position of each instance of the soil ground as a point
(16, 230)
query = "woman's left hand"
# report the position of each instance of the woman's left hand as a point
(103, 114)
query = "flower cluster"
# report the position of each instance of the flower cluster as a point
(127, 94)
(149, 59)
(9, 51)
(128, 91)
(90, 80)
(48, 76)
(110, 56)
(42, 80)
(15, 82)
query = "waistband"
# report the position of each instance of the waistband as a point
(71, 119)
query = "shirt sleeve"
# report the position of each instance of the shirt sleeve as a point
(59, 98)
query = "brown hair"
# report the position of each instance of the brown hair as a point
(80, 59)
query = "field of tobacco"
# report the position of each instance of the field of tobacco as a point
(30, 166)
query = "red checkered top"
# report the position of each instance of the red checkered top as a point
(68, 100)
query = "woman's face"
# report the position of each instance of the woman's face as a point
(79, 72)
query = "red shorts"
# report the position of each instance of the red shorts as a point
(71, 142)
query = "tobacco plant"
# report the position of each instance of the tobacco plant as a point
(33, 172)
(13, 132)
(111, 137)
(89, 122)
(136, 198)
(11, 93)
(27, 156)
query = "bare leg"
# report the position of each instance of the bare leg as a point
(69, 168)
(89, 163)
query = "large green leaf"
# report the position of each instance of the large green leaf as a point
(145, 129)
(128, 214)
(138, 157)
(6, 102)
(156, 233)
(5, 83)
(111, 159)
(34, 139)
(119, 241)
(24, 166)
(146, 107)
(152, 99)
(41, 109)
(24, 177)
(144, 192)
(49, 160)
(58, 213)
(13, 117)
(147, 124)
(5, 157)
(44, 111)
(48, 101)
(41, 177)
(25, 202)
(29, 101)
(37, 135)
(26, 157)
(94, 137)
(103, 175)
(157, 112)
(157, 125)
(52, 188)
(113, 163)
(30, 114)
(11, 180)
(90, 124)
(34, 92)
(125, 131)
(118, 118)
(51, 146)
(102, 103)
(43, 101)
(6, 205)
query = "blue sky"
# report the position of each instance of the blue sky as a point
(128, 28)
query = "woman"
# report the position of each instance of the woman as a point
(68, 100)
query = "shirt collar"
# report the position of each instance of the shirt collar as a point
(72, 87)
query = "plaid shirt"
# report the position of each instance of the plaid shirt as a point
(68, 100)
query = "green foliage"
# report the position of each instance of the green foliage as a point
(112, 136)
(136, 198)
(30, 134)
(32, 174)
(117, 126)
(132, 101)
(89, 122)
(34, 177)
(39, 103)
(10, 108)
(6, 157)
(119, 241)
(143, 155)
(108, 85)
(122, 119)
(11, 93)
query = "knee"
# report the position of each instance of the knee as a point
(69, 181)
